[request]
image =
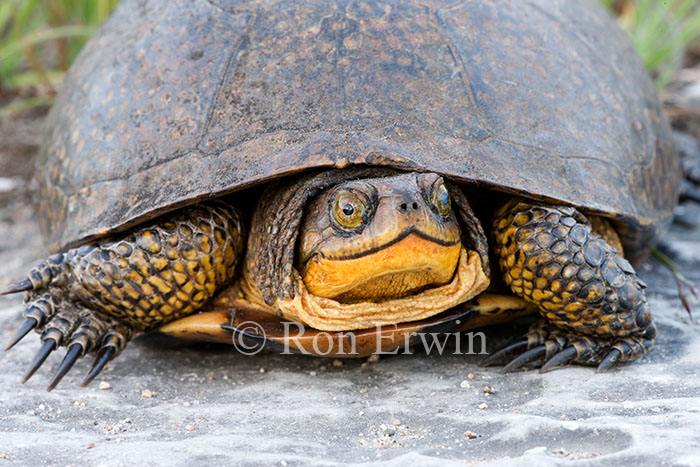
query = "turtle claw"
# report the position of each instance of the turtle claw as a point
(501, 356)
(23, 330)
(527, 357)
(610, 360)
(63, 323)
(21, 286)
(105, 356)
(559, 359)
(549, 347)
(48, 346)
(39, 277)
(75, 351)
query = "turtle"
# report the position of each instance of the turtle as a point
(349, 165)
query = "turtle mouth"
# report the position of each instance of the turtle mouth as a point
(412, 262)
(412, 230)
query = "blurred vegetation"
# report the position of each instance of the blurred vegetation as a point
(661, 31)
(39, 39)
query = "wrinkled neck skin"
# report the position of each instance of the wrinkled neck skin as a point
(358, 248)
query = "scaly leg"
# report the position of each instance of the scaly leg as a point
(593, 306)
(92, 298)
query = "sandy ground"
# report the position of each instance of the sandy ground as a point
(165, 403)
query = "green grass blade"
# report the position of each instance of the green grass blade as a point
(25, 104)
(44, 35)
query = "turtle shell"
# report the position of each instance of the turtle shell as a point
(174, 102)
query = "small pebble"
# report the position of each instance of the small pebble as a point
(470, 376)
(91, 445)
(262, 370)
(464, 384)
(147, 393)
(488, 389)
(470, 434)
(482, 406)
(373, 358)
(536, 450)
(388, 430)
(189, 427)
(337, 363)
(104, 385)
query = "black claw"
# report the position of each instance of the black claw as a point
(105, 355)
(21, 286)
(47, 347)
(525, 358)
(561, 358)
(74, 353)
(23, 330)
(609, 361)
(499, 357)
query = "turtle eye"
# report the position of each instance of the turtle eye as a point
(441, 199)
(348, 210)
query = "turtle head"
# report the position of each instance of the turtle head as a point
(361, 247)
(379, 238)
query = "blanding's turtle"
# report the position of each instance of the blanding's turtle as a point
(347, 164)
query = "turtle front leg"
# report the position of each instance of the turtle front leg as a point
(92, 299)
(593, 306)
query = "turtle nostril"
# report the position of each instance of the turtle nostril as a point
(403, 207)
